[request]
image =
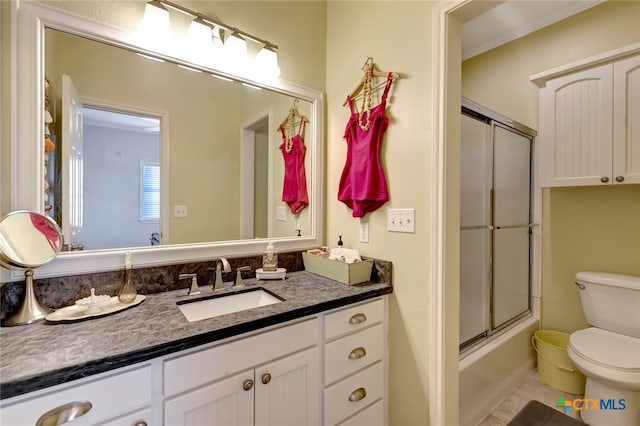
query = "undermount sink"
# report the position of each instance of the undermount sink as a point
(199, 309)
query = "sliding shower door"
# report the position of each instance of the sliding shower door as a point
(495, 224)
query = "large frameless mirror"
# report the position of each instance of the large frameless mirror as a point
(157, 157)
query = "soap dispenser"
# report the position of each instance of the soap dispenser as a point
(270, 259)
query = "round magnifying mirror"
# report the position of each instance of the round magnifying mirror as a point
(28, 240)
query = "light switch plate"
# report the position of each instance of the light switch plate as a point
(364, 232)
(401, 220)
(281, 214)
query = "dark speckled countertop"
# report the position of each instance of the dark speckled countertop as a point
(45, 354)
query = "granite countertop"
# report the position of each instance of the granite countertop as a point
(44, 354)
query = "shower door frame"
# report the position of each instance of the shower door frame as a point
(494, 119)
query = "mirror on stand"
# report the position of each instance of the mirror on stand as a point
(28, 240)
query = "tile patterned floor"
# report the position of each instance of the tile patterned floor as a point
(531, 389)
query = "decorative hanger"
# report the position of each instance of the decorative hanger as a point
(289, 127)
(370, 71)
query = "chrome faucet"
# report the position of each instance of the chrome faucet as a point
(222, 265)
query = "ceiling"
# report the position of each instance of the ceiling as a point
(513, 19)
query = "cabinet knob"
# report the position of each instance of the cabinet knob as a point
(357, 353)
(139, 423)
(358, 318)
(247, 385)
(358, 395)
(619, 178)
(604, 179)
(266, 378)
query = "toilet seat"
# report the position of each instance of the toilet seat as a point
(607, 349)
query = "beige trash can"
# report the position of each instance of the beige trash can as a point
(554, 365)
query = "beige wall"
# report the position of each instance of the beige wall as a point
(398, 37)
(591, 228)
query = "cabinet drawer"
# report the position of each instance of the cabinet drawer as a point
(353, 394)
(353, 352)
(199, 368)
(370, 416)
(353, 319)
(109, 396)
(139, 418)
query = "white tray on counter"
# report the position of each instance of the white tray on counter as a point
(78, 312)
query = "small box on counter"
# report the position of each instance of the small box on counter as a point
(346, 273)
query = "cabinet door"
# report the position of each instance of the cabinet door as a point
(576, 128)
(288, 391)
(228, 402)
(626, 120)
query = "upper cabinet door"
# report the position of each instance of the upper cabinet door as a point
(576, 128)
(626, 120)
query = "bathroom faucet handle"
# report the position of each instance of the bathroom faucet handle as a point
(239, 282)
(194, 290)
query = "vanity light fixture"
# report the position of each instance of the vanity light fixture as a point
(208, 44)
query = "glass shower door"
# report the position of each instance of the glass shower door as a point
(512, 224)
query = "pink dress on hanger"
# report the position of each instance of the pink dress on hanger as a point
(294, 188)
(363, 186)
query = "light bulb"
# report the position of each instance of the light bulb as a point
(155, 27)
(199, 43)
(267, 63)
(235, 53)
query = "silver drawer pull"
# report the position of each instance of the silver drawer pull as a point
(358, 318)
(357, 353)
(140, 423)
(247, 385)
(358, 395)
(64, 413)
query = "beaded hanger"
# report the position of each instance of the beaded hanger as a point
(365, 89)
(289, 125)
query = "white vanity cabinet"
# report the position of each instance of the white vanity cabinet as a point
(323, 369)
(272, 378)
(354, 365)
(120, 398)
(590, 122)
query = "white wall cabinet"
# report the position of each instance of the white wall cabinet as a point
(590, 124)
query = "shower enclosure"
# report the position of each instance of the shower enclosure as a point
(495, 223)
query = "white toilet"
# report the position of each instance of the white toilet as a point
(608, 353)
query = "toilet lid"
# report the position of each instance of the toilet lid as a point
(607, 348)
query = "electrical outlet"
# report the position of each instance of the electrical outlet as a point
(281, 214)
(364, 232)
(179, 211)
(401, 220)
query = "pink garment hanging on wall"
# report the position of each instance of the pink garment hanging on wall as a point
(294, 188)
(363, 186)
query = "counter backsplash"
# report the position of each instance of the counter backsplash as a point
(57, 292)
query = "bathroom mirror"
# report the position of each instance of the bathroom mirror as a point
(28, 240)
(211, 131)
(255, 102)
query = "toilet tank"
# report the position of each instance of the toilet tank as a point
(611, 301)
